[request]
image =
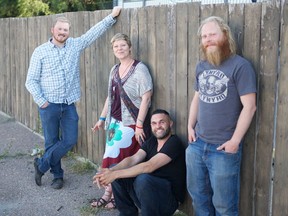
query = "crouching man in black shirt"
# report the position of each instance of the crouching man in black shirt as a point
(153, 179)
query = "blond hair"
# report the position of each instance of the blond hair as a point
(121, 36)
(224, 28)
(61, 19)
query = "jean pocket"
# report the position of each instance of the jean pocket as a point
(227, 153)
(49, 104)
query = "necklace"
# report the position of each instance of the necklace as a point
(121, 75)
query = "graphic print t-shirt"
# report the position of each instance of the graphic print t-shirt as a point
(219, 90)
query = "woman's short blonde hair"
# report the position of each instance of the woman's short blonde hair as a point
(121, 36)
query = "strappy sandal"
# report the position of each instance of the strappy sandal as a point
(112, 204)
(98, 203)
(104, 200)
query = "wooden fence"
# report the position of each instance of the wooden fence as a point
(164, 37)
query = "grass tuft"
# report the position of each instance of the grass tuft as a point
(5, 152)
(89, 211)
(82, 167)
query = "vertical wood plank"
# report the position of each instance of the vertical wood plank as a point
(25, 61)
(193, 51)
(266, 99)
(182, 50)
(236, 23)
(280, 192)
(22, 69)
(93, 85)
(11, 102)
(161, 83)
(181, 53)
(171, 63)
(86, 90)
(151, 49)
(250, 51)
(134, 32)
(194, 11)
(16, 100)
(34, 40)
(220, 10)
(143, 35)
(99, 92)
(143, 44)
(5, 63)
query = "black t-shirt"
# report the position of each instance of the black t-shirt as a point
(175, 171)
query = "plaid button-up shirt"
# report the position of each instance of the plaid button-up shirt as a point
(54, 72)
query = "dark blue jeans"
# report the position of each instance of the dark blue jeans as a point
(153, 195)
(60, 128)
(213, 179)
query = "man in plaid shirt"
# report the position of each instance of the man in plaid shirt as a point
(53, 80)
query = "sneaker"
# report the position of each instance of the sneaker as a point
(57, 183)
(38, 173)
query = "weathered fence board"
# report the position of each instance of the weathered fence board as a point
(280, 198)
(165, 39)
(252, 52)
(161, 75)
(181, 69)
(181, 80)
(194, 11)
(12, 76)
(151, 61)
(143, 35)
(266, 109)
(236, 21)
(34, 40)
(89, 64)
(192, 59)
(87, 91)
(5, 65)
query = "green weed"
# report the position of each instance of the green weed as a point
(6, 151)
(89, 211)
(82, 167)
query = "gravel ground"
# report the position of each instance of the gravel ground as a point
(20, 196)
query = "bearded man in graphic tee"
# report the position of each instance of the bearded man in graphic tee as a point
(220, 114)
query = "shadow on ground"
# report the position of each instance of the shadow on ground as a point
(20, 196)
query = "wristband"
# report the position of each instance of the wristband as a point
(140, 127)
(102, 118)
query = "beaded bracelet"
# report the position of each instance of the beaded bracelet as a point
(140, 127)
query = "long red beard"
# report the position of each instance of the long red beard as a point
(221, 53)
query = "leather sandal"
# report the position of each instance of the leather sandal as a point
(111, 204)
(104, 200)
(98, 203)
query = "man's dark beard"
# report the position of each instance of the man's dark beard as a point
(221, 53)
(166, 134)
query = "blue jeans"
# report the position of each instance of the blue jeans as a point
(60, 128)
(213, 179)
(153, 195)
